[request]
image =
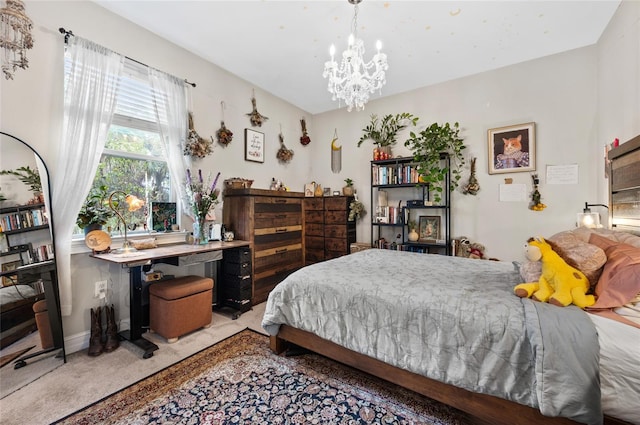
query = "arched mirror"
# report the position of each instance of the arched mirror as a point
(31, 342)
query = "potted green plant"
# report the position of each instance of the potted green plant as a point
(30, 177)
(427, 146)
(383, 132)
(347, 190)
(356, 210)
(95, 211)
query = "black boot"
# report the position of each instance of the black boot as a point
(95, 340)
(112, 341)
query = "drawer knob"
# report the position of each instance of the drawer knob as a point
(281, 230)
(280, 251)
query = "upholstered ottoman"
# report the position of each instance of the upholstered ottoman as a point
(42, 323)
(180, 306)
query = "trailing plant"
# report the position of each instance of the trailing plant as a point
(356, 210)
(28, 176)
(95, 209)
(427, 146)
(383, 132)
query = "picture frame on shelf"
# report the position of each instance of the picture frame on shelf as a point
(327, 191)
(253, 145)
(429, 228)
(512, 149)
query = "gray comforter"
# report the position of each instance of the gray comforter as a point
(452, 319)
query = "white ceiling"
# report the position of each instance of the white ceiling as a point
(281, 46)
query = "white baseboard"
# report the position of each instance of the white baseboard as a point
(80, 341)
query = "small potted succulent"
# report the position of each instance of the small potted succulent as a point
(347, 190)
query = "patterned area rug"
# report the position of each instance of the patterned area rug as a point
(240, 381)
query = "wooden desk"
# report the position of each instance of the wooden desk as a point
(134, 261)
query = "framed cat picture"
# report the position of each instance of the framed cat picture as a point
(512, 149)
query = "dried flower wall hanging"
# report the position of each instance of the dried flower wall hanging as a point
(536, 197)
(224, 135)
(305, 140)
(196, 146)
(284, 154)
(256, 117)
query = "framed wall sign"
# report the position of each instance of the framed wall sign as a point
(429, 228)
(512, 149)
(253, 145)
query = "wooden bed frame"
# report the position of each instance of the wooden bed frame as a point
(624, 176)
(17, 319)
(486, 408)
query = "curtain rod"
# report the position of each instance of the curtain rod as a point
(68, 34)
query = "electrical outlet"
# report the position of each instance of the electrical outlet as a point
(100, 288)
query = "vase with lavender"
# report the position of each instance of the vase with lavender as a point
(202, 197)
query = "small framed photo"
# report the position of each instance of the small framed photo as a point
(309, 189)
(253, 145)
(327, 191)
(512, 149)
(429, 228)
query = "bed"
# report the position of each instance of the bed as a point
(451, 328)
(16, 312)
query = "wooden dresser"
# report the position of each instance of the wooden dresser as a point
(272, 223)
(328, 233)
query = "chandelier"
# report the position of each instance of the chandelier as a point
(15, 37)
(355, 79)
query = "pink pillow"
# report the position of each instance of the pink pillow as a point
(620, 279)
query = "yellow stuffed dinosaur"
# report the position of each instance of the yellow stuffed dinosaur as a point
(559, 284)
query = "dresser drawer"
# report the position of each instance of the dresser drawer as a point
(237, 269)
(240, 255)
(273, 219)
(334, 244)
(313, 216)
(336, 217)
(276, 262)
(236, 293)
(314, 242)
(273, 241)
(263, 286)
(313, 203)
(335, 231)
(314, 256)
(336, 203)
(313, 229)
(275, 200)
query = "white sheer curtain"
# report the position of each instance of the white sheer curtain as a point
(170, 100)
(89, 102)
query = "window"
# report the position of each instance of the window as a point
(134, 160)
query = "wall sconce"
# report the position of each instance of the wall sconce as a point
(134, 204)
(589, 219)
(15, 37)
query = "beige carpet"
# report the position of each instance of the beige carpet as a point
(84, 380)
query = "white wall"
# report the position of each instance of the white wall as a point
(31, 109)
(580, 100)
(619, 80)
(558, 93)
